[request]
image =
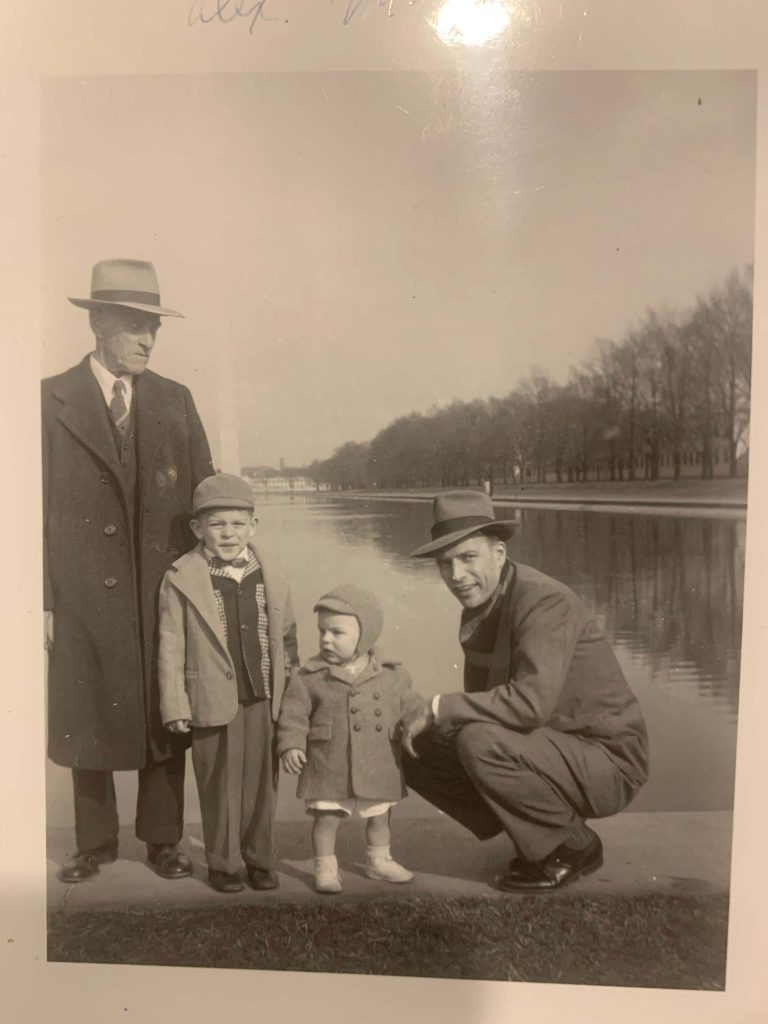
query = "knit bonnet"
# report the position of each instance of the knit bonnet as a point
(347, 599)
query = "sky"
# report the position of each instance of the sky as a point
(351, 247)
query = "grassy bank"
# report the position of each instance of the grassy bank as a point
(657, 941)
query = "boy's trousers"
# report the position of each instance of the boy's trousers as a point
(537, 786)
(236, 770)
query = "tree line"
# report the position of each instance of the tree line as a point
(676, 383)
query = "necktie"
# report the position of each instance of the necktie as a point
(118, 408)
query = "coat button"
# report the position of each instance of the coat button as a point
(357, 727)
(377, 712)
(353, 693)
(353, 711)
(110, 529)
(379, 727)
(229, 675)
(105, 478)
(375, 696)
(110, 582)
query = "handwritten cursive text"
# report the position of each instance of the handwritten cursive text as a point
(206, 11)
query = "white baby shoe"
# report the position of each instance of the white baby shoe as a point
(381, 866)
(327, 875)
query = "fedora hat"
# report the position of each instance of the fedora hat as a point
(458, 514)
(131, 284)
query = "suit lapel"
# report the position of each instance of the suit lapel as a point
(150, 418)
(192, 578)
(84, 414)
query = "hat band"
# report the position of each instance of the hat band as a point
(460, 523)
(124, 295)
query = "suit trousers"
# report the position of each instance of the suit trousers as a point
(159, 806)
(236, 770)
(536, 786)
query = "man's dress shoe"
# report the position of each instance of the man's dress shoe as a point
(168, 860)
(224, 881)
(260, 878)
(562, 866)
(85, 865)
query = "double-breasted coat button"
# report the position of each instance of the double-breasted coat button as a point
(353, 711)
(110, 529)
(105, 478)
(377, 712)
(353, 693)
(375, 696)
(229, 675)
(357, 727)
(379, 727)
(110, 582)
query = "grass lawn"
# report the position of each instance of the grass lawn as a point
(654, 941)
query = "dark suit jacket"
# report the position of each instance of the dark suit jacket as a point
(561, 673)
(102, 574)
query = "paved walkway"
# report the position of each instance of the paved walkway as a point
(687, 852)
(706, 502)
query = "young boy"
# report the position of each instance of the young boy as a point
(227, 644)
(338, 729)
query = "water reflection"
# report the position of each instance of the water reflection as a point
(667, 590)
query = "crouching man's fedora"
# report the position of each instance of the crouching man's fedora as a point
(458, 514)
(131, 284)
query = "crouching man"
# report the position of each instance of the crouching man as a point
(547, 732)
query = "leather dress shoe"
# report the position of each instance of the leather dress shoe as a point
(224, 881)
(168, 860)
(260, 878)
(85, 865)
(562, 866)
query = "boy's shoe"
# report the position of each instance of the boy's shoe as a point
(385, 869)
(224, 881)
(85, 865)
(327, 875)
(263, 879)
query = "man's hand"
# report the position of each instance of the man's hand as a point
(292, 761)
(48, 630)
(414, 722)
(179, 726)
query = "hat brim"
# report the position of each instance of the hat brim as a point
(503, 527)
(142, 307)
(206, 506)
(335, 604)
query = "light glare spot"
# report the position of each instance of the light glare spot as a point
(471, 22)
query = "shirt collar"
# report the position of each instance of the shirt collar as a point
(106, 380)
(245, 552)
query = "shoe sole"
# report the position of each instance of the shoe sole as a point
(383, 878)
(169, 878)
(78, 881)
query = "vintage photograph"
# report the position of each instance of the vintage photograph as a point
(396, 434)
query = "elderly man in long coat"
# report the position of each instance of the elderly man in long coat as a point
(123, 450)
(547, 732)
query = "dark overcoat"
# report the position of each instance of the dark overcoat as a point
(104, 558)
(348, 728)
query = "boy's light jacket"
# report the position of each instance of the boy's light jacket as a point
(196, 673)
(347, 727)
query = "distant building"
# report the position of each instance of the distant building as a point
(266, 480)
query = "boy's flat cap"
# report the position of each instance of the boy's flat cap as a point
(224, 490)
